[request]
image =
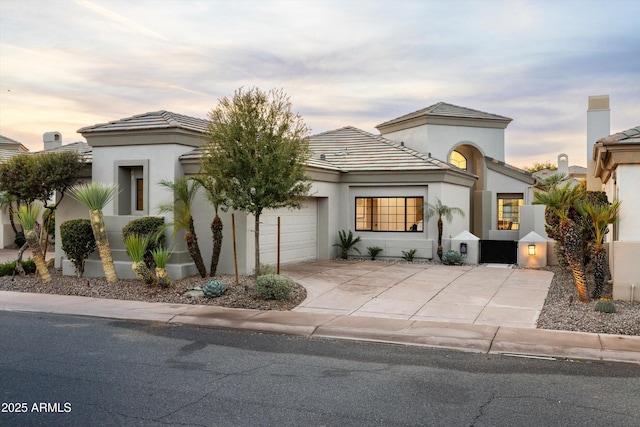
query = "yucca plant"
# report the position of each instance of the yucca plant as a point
(601, 214)
(28, 218)
(95, 197)
(347, 243)
(161, 257)
(559, 200)
(136, 246)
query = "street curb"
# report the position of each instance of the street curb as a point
(457, 336)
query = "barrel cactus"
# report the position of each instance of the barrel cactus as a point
(605, 305)
(213, 289)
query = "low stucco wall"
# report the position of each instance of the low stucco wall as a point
(624, 271)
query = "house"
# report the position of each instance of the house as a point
(8, 148)
(375, 185)
(616, 164)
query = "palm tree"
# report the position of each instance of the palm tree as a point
(28, 217)
(442, 211)
(601, 214)
(217, 200)
(559, 200)
(95, 197)
(184, 192)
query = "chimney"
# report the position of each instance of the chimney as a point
(563, 164)
(52, 140)
(598, 126)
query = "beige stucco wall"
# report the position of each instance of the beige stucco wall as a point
(440, 139)
(624, 269)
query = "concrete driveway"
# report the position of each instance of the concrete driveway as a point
(492, 294)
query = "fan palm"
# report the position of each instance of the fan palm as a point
(95, 197)
(601, 214)
(559, 200)
(184, 192)
(28, 217)
(442, 211)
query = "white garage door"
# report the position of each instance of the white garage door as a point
(298, 234)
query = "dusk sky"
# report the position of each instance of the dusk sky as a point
(66, 64)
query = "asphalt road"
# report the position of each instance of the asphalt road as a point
(76, 371)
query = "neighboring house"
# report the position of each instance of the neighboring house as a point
(375, 185)
(576, 174)
(8, 149)
(616, 160)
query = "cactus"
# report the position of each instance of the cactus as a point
(213, 289)
(605, 305)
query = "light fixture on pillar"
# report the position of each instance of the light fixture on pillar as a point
(532, 249)
(463, 250)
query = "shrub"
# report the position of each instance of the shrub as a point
(78, 242)
(151, 226)
(373, 252)
(273, 286)
(347, 243)
(409, 255)
(8, 267)
(267, 269)
(213, 289)
(452, 258)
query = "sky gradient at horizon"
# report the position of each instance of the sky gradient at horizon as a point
(66, 64)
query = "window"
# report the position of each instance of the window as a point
(509, 211)
(389, 214)
(139, 194)
(458, 160)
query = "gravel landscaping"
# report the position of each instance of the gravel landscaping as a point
(562, 310)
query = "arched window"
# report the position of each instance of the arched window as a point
(458, 160)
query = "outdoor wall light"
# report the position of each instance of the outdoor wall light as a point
(463, 249)
(532, 249)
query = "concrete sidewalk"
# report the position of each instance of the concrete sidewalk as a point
(481, 309)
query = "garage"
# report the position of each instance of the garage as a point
(298, 234)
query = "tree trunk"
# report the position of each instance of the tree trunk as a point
(102, 241)
(216, 231)
(19, 268)
(194, 249)
(257, 240)
(142, 272)
(599, 269)
(36, 251)
(163, 277)
(573, 248)
(439, 252)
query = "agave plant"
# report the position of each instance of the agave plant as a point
(601, 214)
(559, 200)
(136, 247)
(28, 217)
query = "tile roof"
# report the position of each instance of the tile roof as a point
(10, 147)
(443, 109)
(153, 120)
(80, 147)
(351, 149)
(629, 136)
